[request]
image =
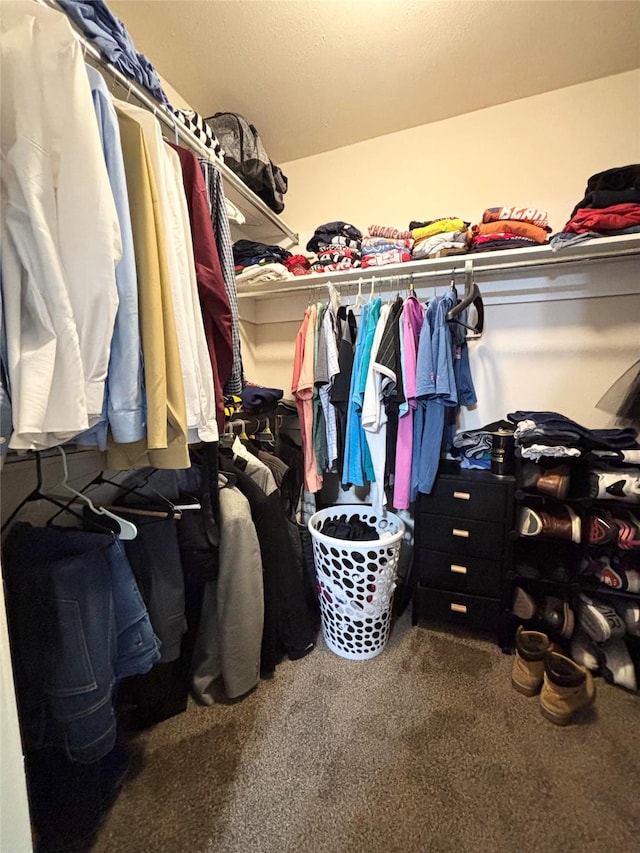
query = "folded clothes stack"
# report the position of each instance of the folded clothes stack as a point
(611, 206)
(337, 245)
(258, 263)
(381, 249)
(549, 434)
(473, 446)
(509, 228)
(257, 399)
(300, 264)
(436, 238)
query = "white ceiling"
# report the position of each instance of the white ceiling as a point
(313, 75)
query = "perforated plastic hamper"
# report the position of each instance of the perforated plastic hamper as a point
(356, 581)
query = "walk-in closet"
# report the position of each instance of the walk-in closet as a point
(319, 426)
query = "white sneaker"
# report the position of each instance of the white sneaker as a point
(616, 485)
(585, 652)
(600, 621)
(617, 664)
(630, 611)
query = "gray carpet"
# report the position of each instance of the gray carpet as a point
(426, 748)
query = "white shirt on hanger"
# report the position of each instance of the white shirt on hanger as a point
(59, 229)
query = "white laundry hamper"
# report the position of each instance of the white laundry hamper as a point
(356, 580)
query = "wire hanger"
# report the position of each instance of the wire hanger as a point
(127, 529)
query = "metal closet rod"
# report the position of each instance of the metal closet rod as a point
(480, 270)
(172, 122)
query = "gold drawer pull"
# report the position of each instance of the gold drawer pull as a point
(462, 496)
(457, 531)
(459, 608)
(459, 570)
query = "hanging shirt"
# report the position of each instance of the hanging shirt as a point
(59, 231)
(123, 408)
(358, 467)
(326, 370)
(411, 325)
(319, 427)
(165, 445)
(339, 393)
(302, 390)
(218, 320)
(435, 390)
(201, 422)
(222, 234)
(374, 416)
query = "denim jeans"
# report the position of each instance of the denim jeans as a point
(78, 624)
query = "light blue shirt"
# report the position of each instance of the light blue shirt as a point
(124, 404)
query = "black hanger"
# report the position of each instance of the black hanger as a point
(472, 296)
(37, 495)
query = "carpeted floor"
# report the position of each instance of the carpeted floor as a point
(426, 748)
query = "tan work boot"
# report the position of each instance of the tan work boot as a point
(567, 689)
(528, 664)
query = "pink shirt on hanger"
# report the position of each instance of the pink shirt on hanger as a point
(412, 319)
(302, 389)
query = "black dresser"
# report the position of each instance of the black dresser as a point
(462, 549)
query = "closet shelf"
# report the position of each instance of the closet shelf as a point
(262, 224)
(496, 264)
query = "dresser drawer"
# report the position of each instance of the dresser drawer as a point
(461, 537)
(465, 498)
(471, 611)
(468, 574)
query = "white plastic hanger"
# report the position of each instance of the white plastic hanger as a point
(127, 529)
(359, 302)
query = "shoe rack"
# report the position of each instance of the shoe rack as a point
(549, 570)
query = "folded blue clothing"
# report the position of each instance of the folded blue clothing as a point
(256, 399)
(112, 38)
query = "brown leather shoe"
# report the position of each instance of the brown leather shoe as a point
(555, 482)
(564, 525)
(549, 481)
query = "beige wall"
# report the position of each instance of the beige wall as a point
(538, 151)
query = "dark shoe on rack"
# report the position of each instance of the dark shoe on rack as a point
(564, 525)
(602, 529)
(556, 617)
(528, 663)
(617, 666)
(567, 689)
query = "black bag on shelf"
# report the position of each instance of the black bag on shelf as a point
(245, 155)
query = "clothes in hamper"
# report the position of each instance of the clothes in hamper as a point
(353, 529)
(86, 629)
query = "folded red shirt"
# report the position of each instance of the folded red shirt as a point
(604, 218)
